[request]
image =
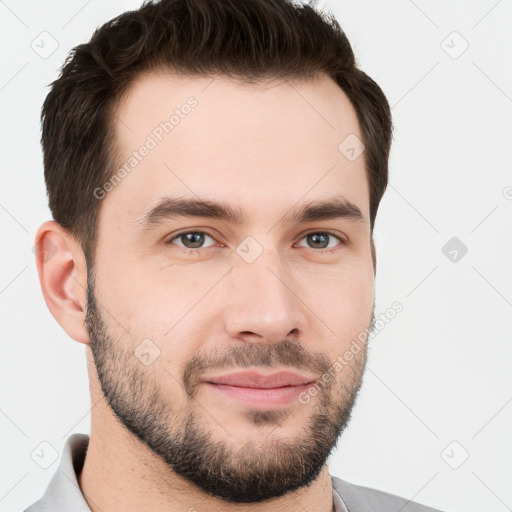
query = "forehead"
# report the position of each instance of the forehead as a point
(261, 147)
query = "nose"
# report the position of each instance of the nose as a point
(264, 304)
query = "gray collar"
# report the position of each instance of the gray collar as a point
(64, 494)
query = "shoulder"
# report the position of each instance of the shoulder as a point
(365, 499)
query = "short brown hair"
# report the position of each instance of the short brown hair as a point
(244, 39)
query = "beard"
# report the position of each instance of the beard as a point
(257, 471)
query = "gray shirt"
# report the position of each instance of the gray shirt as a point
(63, 493)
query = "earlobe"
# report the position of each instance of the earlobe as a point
(63, 277)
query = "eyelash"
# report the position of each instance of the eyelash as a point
(323, 232)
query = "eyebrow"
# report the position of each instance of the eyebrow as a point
(174, 207)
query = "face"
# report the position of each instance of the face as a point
(218, 266)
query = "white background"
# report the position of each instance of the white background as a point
(439, 372)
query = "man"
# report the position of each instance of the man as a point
(214, 169)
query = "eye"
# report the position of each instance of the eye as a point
(190, 239)
(320, 240)
(194, 240)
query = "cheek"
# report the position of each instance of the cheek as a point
(160, 308)
(343, 302)
(158, 300)
(139, 292)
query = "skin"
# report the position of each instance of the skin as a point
(263, 149)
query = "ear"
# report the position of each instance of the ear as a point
(374, 256)
(63, 277)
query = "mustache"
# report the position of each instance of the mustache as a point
(287, 354)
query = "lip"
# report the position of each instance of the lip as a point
(258, 390)
(261, 380)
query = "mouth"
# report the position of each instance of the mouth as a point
(259, 390)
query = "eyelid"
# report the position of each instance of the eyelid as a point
(170, 241)
(335, 234)
(326, 250)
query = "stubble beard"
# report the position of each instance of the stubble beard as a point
(256, 472)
